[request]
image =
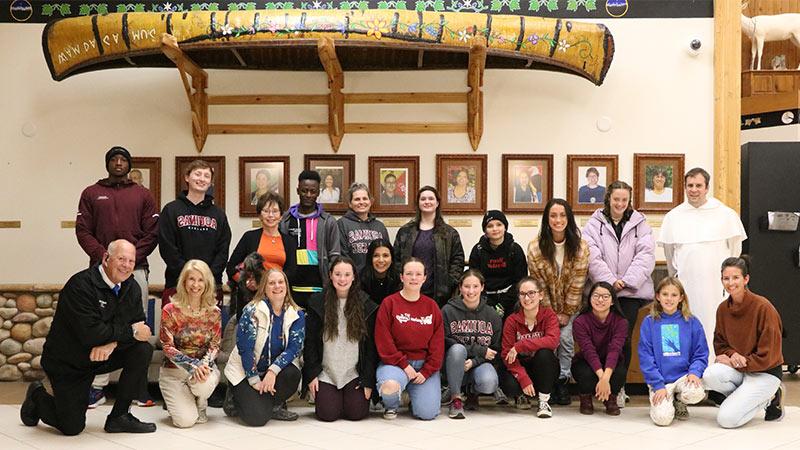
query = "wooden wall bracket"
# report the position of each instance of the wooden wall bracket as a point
(195, 90)
(195, 83)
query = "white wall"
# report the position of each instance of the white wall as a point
(659, 99)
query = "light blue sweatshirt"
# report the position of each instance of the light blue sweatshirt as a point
(671, 347)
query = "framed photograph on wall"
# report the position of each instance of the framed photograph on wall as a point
(461, 181)
(394, 181)
(657, 181)
(259, 175)
(527, 183)
(337, 173)
(217, 188)
(146, 171)
(588, 176)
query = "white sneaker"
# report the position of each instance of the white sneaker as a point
(622, 398)
(390, 414)
(545, 411)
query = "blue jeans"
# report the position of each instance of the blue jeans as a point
(566, 349)
(425, 397)
(483, 378)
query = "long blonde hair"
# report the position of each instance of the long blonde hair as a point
(261, 292)
(207, 298)
(655, 308)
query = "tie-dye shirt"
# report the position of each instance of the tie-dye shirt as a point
(190, 340)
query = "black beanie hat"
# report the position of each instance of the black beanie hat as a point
(114, 151)
(494, 215)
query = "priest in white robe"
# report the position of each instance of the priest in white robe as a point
(697, 236)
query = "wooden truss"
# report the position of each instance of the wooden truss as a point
(199, 101)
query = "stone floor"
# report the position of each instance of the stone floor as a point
(492, 427)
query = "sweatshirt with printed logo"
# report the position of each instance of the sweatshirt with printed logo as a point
(671, 347)
(544, 334)
(406, 330)
(476, 329)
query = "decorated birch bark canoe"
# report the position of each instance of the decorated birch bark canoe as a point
(365, 40)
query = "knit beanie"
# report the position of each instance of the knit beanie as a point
(114, 151)
(494, 215)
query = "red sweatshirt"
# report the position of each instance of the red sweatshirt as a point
(516, 334)
(410, 330)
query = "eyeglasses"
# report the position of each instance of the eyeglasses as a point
(271, 212)
(601, 296)
(529, 294)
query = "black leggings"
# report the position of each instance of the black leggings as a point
(255, 409)
(630, 309)
(542, 368)
(587, 379)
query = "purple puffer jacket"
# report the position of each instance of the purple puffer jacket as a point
(631, 260)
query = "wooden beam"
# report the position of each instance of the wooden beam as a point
(195, 91)
(389, 128)
(477, 64)
(322, 128)
(327, 55)
(349, 99)
(281, 128)
(727, 102)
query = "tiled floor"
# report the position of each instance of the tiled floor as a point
(491, 427)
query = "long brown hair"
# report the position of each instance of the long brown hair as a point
(655, 308)
(572, 234)
(353, 307)
(261, 292)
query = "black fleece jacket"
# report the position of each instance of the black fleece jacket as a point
(89, 315)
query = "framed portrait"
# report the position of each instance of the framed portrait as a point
(588, 176)
(259, 175)
(527, 183)
(217, 188)
(657, 181)
(146, 171)
(394, 181)
(461, 181)
(337, 173)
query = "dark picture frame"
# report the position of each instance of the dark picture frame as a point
(669, 167)
(537, 170)
(272, 171)
(217, 188)
(405, 171)
(149, 168)
(342, 171)
(451, 172)
(581, 172)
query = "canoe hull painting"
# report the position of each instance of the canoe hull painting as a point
(80, 44)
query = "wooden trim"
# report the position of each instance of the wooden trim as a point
(11, 224)
(285, 128)
(327, 56)
(770, 103)
(349, 99)
(727, 102)
(388, 128)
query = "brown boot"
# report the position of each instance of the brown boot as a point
(586, 404)
(612, 409)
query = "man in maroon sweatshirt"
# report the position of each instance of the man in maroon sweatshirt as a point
(117, 208)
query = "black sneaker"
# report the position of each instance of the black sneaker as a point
(716, 398)
(774, 410)
(126, 423)
(217, 398)
(27, 412)
(281, 413)
(561, 393)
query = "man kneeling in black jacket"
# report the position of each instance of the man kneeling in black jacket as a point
(98, 328)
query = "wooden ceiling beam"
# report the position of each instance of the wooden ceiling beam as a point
(195, 89)
(327, 55)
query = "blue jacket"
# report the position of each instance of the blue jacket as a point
(671, 347)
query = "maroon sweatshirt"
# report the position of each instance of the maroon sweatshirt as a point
(516, 334)
(107, 212)
(410, 330)
(600, 342)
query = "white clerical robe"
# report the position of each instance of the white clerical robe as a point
(696, 241)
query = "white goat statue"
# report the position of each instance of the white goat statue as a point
(762, 29)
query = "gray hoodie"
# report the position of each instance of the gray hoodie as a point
(476, 329)
(355, 236)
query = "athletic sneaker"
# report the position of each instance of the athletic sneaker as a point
(96, 397)
(446, 396)
(145, 402)
(681, 411)
(622, 398)
(522, 402)
(775, 408)
(545, 411)
(456, 409)
(390, 414)
(500, 397)
(376, 406)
